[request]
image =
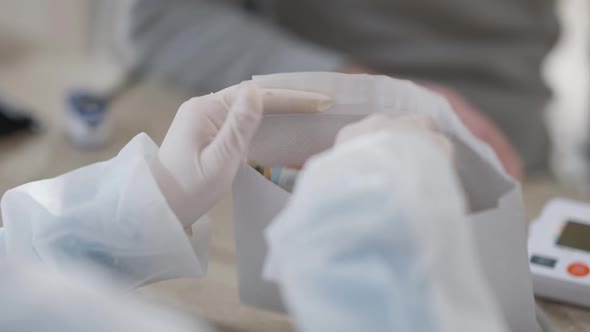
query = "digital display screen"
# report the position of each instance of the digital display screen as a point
(575, 235)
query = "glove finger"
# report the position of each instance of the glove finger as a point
(242, 121)
(283, 101)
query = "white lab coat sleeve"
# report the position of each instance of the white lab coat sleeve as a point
(376, 238)
(110, 217)
(37, 298)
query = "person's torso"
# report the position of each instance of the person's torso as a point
(500, 40)
(490, 50)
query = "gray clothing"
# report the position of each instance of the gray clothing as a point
(490, 50)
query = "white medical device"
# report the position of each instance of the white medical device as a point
(559, 252)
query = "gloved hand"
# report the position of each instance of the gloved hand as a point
(381, 122)
(210, 135)
(375, 237)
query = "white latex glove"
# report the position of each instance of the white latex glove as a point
(210, 135)
(380, 122)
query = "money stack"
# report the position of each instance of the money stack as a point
(284, 176)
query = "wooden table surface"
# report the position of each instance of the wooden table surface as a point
(41, 79)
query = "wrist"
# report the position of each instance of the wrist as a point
(178, 200)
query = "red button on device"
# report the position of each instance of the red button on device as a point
(578, 269)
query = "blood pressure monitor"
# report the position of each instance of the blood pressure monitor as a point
(559, 252)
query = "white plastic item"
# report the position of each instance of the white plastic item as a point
(559, 252)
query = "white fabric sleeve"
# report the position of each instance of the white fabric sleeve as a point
(375, 238)
(110, 217)
(37, 298)
(205, 45)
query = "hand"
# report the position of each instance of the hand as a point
(208, 138)
(380, 122)
(483, 128)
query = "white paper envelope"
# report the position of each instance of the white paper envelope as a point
(494, 198)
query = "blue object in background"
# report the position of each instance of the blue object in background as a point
(90, 108)
(87, 119)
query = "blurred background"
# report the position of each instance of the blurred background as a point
(51, 51)
(80, 78)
